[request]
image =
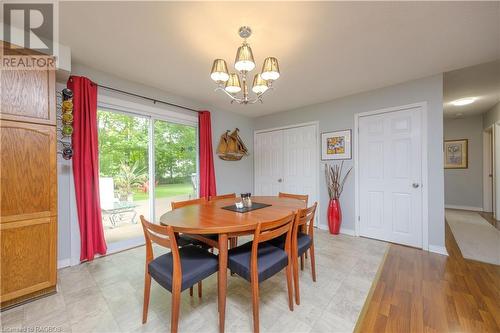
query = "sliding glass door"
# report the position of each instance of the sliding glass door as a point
(145, 163)
(175, 164)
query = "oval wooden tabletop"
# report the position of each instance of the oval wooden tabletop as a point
(210, 218)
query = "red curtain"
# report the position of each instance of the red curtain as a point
(86, 166)
(207, 171)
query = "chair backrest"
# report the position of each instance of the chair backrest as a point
(223, 196)
(163, 236)
(272, 229)
(179, 204)
(303, 197)
(269, 230)
(304, 218)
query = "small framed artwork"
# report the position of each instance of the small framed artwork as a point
(336, 145)
(456, 154)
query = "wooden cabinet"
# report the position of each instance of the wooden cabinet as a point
(29, 171)
(28, 185)
(28, 258)
(28, 95)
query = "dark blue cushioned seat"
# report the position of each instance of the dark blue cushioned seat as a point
(185, 240)
(270, 260)
(196, 265)
(304, 242)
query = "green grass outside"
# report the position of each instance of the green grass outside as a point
(165, 191)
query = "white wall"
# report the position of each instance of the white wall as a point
(231, 176)
(339, 114)
(492, 116)
(464, 187)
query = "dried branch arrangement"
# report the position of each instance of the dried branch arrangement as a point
(334, 179)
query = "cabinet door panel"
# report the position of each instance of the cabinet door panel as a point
(28, 95)
(28, 174)
(28, 252)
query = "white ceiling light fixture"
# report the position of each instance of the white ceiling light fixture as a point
(230, 83)
(464, 101)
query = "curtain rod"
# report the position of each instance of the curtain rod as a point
(147, 98)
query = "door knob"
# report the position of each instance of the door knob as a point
(415, 185)
(280, 180)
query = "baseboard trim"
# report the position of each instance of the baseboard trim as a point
(63, 263)
(322, 226)
(343, 231)
(438, 249)
(476, 209)
(346, 231)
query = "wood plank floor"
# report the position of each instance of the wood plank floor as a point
(418, 291)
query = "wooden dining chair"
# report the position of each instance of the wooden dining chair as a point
(179, 204)
(207, 241)
(303, 197)
(233, 241)
(301, 242)
(258, 260)
(175, 271)
(223, 196)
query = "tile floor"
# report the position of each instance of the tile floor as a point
(106, 296)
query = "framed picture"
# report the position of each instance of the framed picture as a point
(336, 145)
(456, 154)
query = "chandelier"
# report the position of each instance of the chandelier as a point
(234, 83)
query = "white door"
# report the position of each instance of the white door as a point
(488, 171)
(286, 160)
(268, 163)
(390, 171)
(300, 161)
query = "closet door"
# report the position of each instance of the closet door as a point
(268, 162)
(287, 161)
(300, 154)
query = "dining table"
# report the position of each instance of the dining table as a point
(210, 217)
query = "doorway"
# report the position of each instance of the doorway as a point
(145, 163)
(391, 164)
(488, 172)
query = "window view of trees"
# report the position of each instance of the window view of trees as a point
(123, 155)
(175, 151)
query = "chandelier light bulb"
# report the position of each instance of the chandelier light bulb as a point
(259, 84)
(233, 84)
(244, 59)
(270, 69)
(219, 71)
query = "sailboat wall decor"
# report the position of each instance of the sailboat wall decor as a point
(231, 147)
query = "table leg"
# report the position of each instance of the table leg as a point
(222, 279)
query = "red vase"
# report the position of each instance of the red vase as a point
(334, 216)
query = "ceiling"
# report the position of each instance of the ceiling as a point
(481, 82)
(326, 49)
